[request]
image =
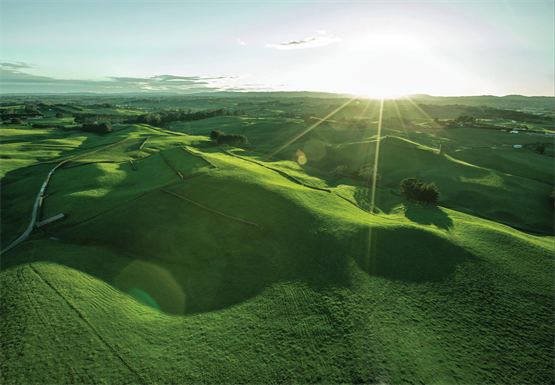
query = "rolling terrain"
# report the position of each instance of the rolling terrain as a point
(183, 262)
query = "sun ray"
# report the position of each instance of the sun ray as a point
(401, 121)
(373, 191)
(313, 126)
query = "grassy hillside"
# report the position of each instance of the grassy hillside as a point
(218, 268)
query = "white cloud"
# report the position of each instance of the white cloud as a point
(12, 80)
(240, 42)
(309, 42)
(15, 66)
(320, 32)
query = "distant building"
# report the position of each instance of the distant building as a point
(513, 132)
(517, 146)
(50, 220)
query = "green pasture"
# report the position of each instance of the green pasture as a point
(236, 268)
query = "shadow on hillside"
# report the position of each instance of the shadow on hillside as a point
(408, 254)
(428, 215)
(178, 259)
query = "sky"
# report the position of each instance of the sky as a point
(366, 48)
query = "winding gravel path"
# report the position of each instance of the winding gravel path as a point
(35, 211)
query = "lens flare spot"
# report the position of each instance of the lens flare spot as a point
(300, 157)
(152, 285)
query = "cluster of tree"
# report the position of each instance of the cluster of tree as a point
(90, 117)
(14, 121)
(484, 112)
(32, 109)
(7, 111)
(67, 108)
(540, 149)
(162, 118)
(466, 119)
(366, 173)
(58, 126)
(59, 115)
(418, 191)
(222, 138)
(103, 105)
(97, 128)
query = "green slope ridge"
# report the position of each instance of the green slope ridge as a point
(158, 290)
(139, 286)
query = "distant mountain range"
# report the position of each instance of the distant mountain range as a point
(508, 101)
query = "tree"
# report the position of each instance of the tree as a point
(59, 115)
(102, 128)
(369, 174)
(16, 121)
(230, 139)
(429, 193)
(215, 134)
(8, 111)
(540, 149)
(418, 191)
(409, 187)
(339, 171)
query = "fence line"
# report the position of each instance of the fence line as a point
(146, 140)
(282, 173)
(169, 164)
(211, 210)
(198, 156)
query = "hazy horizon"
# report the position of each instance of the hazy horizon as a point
(370, 49)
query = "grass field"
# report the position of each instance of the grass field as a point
(246, 266)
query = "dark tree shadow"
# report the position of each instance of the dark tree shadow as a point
(407, 253)
(428, 215)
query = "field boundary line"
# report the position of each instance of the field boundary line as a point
(209, 209)
(282, 173)
(432, 151)
(142, 144)
(171, 166)
(87, 163)
(64, 226)
(38, 201)
(198, 156)
(168, 132)
(99, 336)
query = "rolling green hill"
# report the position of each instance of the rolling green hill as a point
(181, 263)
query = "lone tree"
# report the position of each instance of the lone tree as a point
(540, 149)
(369, 174)
(59, 115)
(340, 170)
(418, 191)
